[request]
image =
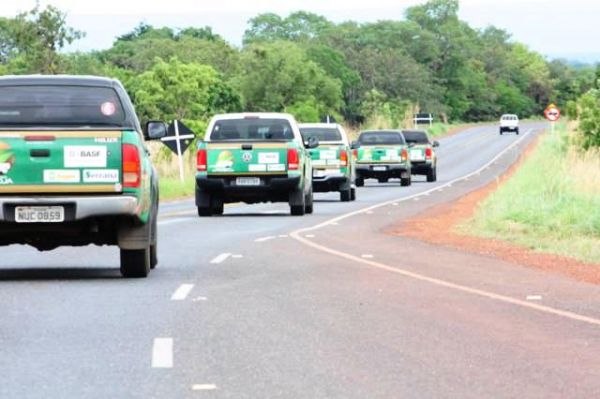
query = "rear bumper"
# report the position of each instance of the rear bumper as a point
(76, 208)
(227, 183)
(391, 170)
(330, 182)
(417, 168)
(271, 189)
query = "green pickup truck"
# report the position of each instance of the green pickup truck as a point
(423, 157)
(253, 158)
(74, 169)
(383, 155)
(333, 163)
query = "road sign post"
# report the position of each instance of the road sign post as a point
(422, 117)
(179, 143)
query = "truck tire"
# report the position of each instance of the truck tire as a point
(346, 195)
(359, 182)
(153, 256)
(204, 211)
(297, 202)
(135, 263)
(216, 205)
(353, 194)
(406, 181)
(432, 174)
(308, 203)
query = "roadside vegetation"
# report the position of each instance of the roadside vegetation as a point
(552, 203)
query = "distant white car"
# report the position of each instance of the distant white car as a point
(509, 123)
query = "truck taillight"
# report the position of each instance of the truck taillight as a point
(404, 154)
(343, 158)
(132, 167)
(355, 153)
(201, 163)
(292, 159)
(428, 153)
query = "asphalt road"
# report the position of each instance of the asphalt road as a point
(259, 304)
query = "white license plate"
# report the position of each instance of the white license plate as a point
(417, 155)
(247, 181)
(379, 168)
(39, 214)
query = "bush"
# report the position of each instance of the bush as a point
(589, 118)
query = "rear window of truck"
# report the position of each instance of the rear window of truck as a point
(37, 105)
(415, 137)
(321, 133)
(252, 129)
(381, 137)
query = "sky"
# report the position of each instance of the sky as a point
(552, 27)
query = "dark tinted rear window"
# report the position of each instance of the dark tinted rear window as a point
(252, 129)
(60, 105)
(416, 137)
(380, 137)
(322, 133)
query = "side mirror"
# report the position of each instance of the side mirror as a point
(355, 145)
(312, 142)
(155, 130)
(436, 143)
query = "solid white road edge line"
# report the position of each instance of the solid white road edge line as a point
(162, 353)
(220, 258)
(297, 235)
(182, 292)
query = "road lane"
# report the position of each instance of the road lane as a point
(284, 321)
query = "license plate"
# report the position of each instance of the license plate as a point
(416, 155)
(247, 181)
(379, 168)
(39, 214)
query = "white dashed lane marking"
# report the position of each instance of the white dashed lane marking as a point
(182, 292)
(220, 258)
(162, 353)
(204, 387)
(263, 239)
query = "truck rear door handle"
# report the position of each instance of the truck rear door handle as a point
(39, 153)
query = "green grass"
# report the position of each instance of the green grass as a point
(172, 188)
(551, 204)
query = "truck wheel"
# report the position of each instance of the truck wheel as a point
(359, 182)
(405, 181)
(216, 205)
(432, 174)
(346, 195)
(153, 256)
(352, 194)
(297, 202)
(204, 211)
(501, 132)
(297, 210)
(308, 202)
(135, 263)
(517, 131)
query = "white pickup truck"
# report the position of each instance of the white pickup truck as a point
(509, 123)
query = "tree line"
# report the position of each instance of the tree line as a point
(309, 66)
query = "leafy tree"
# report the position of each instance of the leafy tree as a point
(589, 118)
(176, 90)
(298, 26)
(278, 75)
(37, 36)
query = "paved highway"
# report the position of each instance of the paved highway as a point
(260, 304)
